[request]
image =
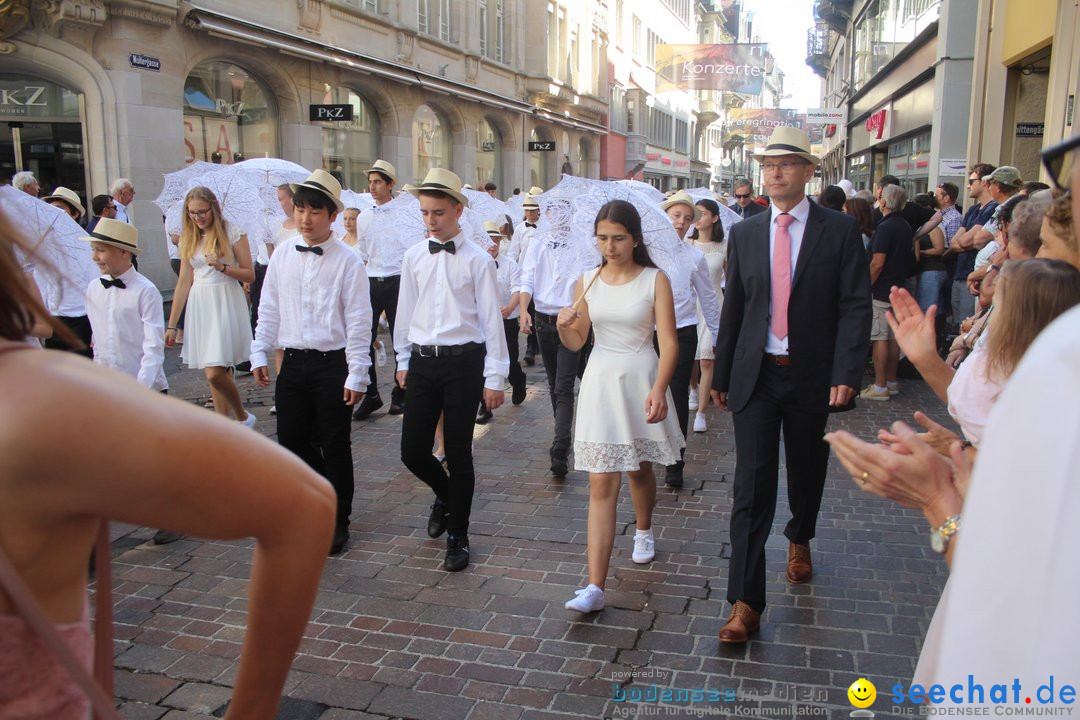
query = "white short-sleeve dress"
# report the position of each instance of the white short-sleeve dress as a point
(217, 328)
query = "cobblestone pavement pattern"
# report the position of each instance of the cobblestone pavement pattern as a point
(394, 636)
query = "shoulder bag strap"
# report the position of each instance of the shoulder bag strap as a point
(27, 606)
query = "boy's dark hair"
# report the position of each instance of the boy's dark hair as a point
(305, 197)
(888, 180)
(99, 203)
(981, 170)
(833, 197)
(625, 214)
(517, 191)
(440, 194)
(1034, 186)
(489, 186)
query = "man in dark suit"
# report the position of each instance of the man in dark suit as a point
(794, 335)
(745, 204)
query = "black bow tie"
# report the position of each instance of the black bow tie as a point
(310, 248)
(434, 247)
(113, 283)
(529, 224)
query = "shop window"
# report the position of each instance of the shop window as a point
(884, 29)
(583, 157)
(431, 143)
(488, 155)
(350, 147)
(229, 115)
(539, 162)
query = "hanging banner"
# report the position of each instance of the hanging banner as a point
(737, 68)
(755, 125)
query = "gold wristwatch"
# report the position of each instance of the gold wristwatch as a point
(940, 536)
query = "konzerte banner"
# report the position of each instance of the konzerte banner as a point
(734, 68)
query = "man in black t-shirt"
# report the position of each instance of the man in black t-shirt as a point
(921, 219)
(892, 259)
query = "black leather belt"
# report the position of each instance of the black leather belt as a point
(386, 278)
(781, 360)
(551, 319)
(294, 352)
(438, 351)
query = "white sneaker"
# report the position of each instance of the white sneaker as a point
(699, 423)
(693, 399)
(644, 549)
(273, 409)
(893, 388)
(383, 323)
(249, 421)
(586, 600)
(380, 355)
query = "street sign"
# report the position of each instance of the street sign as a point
(826, 116)
(330, 113)
(145, 62)
(541, 146)
(1029, 129)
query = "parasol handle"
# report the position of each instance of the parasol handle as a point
(585, 292)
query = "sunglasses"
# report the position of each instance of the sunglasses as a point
(1059, 161)
(739, 195)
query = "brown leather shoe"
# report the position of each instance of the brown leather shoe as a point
(743, 621)
(799, 566)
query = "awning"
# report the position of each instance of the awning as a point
(233, 28)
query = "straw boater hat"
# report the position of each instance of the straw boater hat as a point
(788, 141)
(534, 190)
(381, 166)
(682, 198)
(116, 233)
(491, 228)
(443, 181)
(529, 203)
(68, 196)
(325, 183)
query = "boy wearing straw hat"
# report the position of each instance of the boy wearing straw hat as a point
(518, 246)
(125, 308)
(68, 201)
(451, 353)
(316, 307)
(384, 274)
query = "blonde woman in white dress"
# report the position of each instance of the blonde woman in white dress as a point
(214, 260)
(710, 241)
(622, 422)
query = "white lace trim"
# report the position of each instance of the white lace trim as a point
(618, 457)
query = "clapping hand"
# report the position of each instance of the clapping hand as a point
(915, 332)
(938, 437)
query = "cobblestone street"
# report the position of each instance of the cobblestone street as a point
(394, 636)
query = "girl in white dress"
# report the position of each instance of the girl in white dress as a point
(710, 240)
(622, 410)
(214, 260)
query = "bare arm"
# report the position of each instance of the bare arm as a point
(201, 466)
(937, 244)
(179, 299)
(877, 264)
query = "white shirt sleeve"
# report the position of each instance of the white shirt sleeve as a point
(497, 360)
(528, 269)
(266, 332)
(407, 294)
(153, 345)
(357, 327)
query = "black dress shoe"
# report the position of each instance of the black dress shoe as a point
(368, 405)
(397, 407)
(530, 360)
(436, 524)
(484, 416)
(341, 536)
(457, 553)
(558, 466)
(243, 367)
(673, 478)
(164, 537)
(519, 393)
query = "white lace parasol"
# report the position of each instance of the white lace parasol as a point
(175, 184)
(568, 213)
(396, 226)
(361, 201)
(61, 261)
(244, 205)
(487, 207)
(645, 188)
(472, 226)
(513, 205)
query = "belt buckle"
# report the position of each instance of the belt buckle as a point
(420, 349)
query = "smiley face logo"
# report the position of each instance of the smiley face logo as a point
(862, 693)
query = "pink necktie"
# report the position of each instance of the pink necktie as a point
(781, 276)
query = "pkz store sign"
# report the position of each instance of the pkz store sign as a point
(330, 113)
(29, 97)
(144, 62)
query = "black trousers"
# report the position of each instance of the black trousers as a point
(79, 325)
(384, 294)
(531, 346)
(256, 294)
(680, 381)
(517, 375)
(561, 366)
(314, 422)
(772, 409)
(452, 386)
(174, 263)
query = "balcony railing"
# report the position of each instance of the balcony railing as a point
(835, 13)
(817, 49)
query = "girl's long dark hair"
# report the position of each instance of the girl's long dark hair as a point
(716, 232)
(625, 214)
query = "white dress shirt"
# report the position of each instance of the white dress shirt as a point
(773, 344)
(128, 327)
(372, 250)
(449, 299)
(508, 281)
(701, 291)
(313, 302)
(519, 244)
(121, 211)
(540, 277)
